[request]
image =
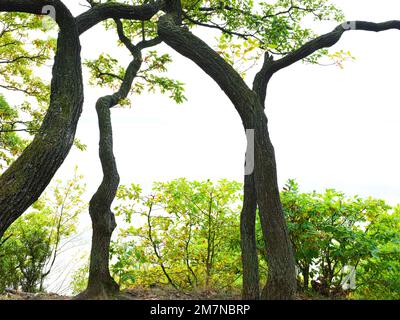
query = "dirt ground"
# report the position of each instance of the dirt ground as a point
(138, 293)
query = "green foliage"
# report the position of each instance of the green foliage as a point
(188, 235)
(31, 245)
(23, 50)
(80, 279)
(278, 28)
(379, 276)
(11, 144)
(25, 53)
(330, 231)
(105, 71)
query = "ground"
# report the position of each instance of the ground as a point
(138, 293)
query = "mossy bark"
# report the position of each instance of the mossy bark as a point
(25, 180)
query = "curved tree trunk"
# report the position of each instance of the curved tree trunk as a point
(101, 285)
(281, 282)
(25, 180)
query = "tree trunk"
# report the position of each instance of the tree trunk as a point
(281, 282)
(25, 180)
(101, 285)
(251, 281)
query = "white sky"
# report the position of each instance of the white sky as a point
(331, 127)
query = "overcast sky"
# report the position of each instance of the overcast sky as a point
(331, 127)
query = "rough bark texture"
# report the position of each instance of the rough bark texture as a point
(281, 282)
(251, 279)
(24, 181)
(101, 285)
(112, 10)
(28, 176)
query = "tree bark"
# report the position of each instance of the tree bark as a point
(101, 285)
(25, 180)
(251, 279)
(112, 10)
(281, 282)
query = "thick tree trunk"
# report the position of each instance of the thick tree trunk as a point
(251, 281)
(281, 282)
(25, 180)
(101, 285)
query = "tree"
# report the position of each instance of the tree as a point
(23, 47)
(249, 103)
(276, 31)
(24, 181)
(378, 277)
(186, 235)
(100, 283)
(330, 232)
(33, 243)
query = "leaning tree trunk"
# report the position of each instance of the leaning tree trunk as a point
(281, 282)
(25, 180)
(251, 286)
(101, 285)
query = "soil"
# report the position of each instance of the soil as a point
(137, 293)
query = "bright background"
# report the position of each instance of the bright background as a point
(331, 127)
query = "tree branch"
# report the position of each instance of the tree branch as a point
(112, 10)
(330, 39)
(262, 78)
(327, 40)
(62, 16)
(192, 47)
